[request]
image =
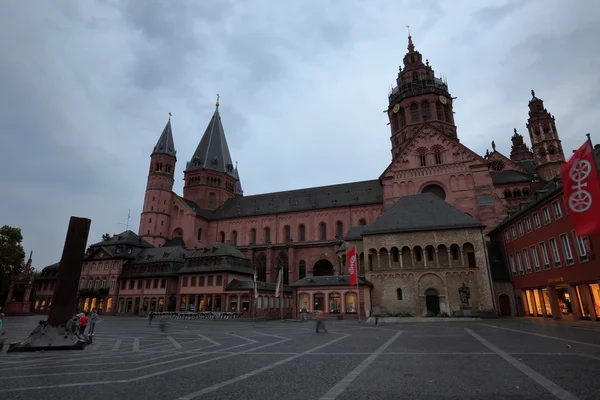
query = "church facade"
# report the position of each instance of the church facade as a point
(408, 262)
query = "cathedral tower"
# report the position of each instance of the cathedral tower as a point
(210, 176)
(155, 218)
(419, 98)
(519, 150)
(545, 142)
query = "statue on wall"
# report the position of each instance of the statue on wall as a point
(493, 146)
(464, 293)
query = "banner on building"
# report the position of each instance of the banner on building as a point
(581, 189)
(352, 267)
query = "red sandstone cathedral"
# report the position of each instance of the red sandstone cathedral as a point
(198, 251)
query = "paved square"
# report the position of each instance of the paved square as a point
(490, 359)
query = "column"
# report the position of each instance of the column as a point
(449, 257)
(556, 312)
(390, 259)
(574, 301)
(378, 261)
(590, 301)
(400, 255)
(541, 295)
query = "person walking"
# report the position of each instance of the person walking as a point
(92, 322)
(150, 318)
(320, 322)
(83, 322)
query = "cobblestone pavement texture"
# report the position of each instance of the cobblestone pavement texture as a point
(487, 359)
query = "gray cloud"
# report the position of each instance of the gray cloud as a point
(86, 87)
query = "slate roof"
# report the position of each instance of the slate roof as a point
(527, 165)
(49, 272)
(218, 250)
(509, 176)
(421, 212)
(498, 267)
(123, 238)
(212, 152)
(321, 197)
(355, 232)
(236, 284)
(165, 144)
(219, 257)
(175, 242)
(160, 255)
(338, 280)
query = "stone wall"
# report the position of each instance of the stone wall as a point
(443, 275)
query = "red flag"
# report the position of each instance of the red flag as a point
(581, 188)
(351, 257)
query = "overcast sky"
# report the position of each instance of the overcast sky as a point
(86, 87)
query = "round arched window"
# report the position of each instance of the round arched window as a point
(435, 189)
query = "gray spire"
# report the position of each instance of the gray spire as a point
(238, 183)
(165, 144)
(212, 153)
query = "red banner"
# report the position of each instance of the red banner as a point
(352, 267)
(581, 188)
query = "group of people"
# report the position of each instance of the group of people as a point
(85, 323)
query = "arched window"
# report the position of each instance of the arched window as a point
(422, 159)
(211, 200)
(439, 110)
(302, 269)
(394, 122)
(267, 235)
(302, 233)
(234, 237)
(252, 236)
(103, 283)
(287, 234)
(438, 156)
(199, 234)
(322, 231)
(399, 294)
(448, 113)
(425, 111)
(402, 117)
(261, 268)
(507, 194)
(362, 221)
(414, 112)
(339, 229)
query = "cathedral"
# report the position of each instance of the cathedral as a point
(419, 229)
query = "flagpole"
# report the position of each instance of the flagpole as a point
(592, 146)
(357, 289)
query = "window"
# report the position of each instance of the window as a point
(557, 210)
(209, 281)
(564, 240)
(555, 254)
(252, 236)
(219, 280)
(222, 237)
(287, 234)
(302, 269)
(362, 221)
(506, 236)
(211, 200)
(302, 233)
(527, 261)
(580, 245)
(528, 224)
(234, 238)
(513, 232)
(422, 160)
(399, 294)
(323, 231)
(199, 237)
(112, 282)
(414, 112)
(485, 200)
(339, 228)
(511, 260)
(519, 263)
(438, 156)
(536, 220)
(185, 281)
(93, 267)
(426, 111)
(148, 283)
(103, 286)
(546, 214)
(267, 235)
(536, 260)
(84, 267)
(520, 226)
(545, 258)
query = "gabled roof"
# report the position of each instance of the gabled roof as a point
(337, 280)
(355, 232)
(160, 255)
(421, 212)
(212, 152)
(125, 237)
(509, 176)
(322, 197)
(527, 165)
(218, 250)
(165, 144)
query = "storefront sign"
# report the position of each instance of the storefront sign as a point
(556, 280)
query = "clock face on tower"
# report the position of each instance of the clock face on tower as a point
(396, 108)
(443, 100)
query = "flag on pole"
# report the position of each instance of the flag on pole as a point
(581, 189)
(255, 287)
(351, 257)
(278, 287)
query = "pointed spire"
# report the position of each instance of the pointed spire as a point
(213, 152)
(238, 184)
(411, 46)
(165, 144)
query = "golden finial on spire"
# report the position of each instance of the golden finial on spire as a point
(218, 97)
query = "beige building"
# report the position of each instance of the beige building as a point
(419, 253)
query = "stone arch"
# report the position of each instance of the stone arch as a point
(407, 261)
(455, 255)
(395, 255)
(323, 267)
(403, 189)
(469, 255)
(430, 280)
(430, 256)
(260, 266)
(383, 258)
(442, 254)
(462, 182)
(504, 305)
(453, 183)
(434, 187)
(396, 189)
(372, 259)
(281, 263)
(418, 256)
(177, 232)
(222, 237)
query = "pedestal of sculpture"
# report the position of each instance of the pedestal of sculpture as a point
(57, 332)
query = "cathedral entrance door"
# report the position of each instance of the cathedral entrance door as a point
(432, 301)
(504, 303)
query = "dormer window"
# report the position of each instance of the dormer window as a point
(129, 250)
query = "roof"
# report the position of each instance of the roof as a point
(336, 280)
(165, 144)
(355, 232)
(160, 255)
(527, 165)
(421, 212)
(175, 242)
(509, 176)
(498, 267)
(218, 250)
(236, 284)
(238, 184)
(218, 257)
(340, 195)
(123, 238)
(212, 152)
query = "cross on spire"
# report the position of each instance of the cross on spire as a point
(169, 115)
(218, 97)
